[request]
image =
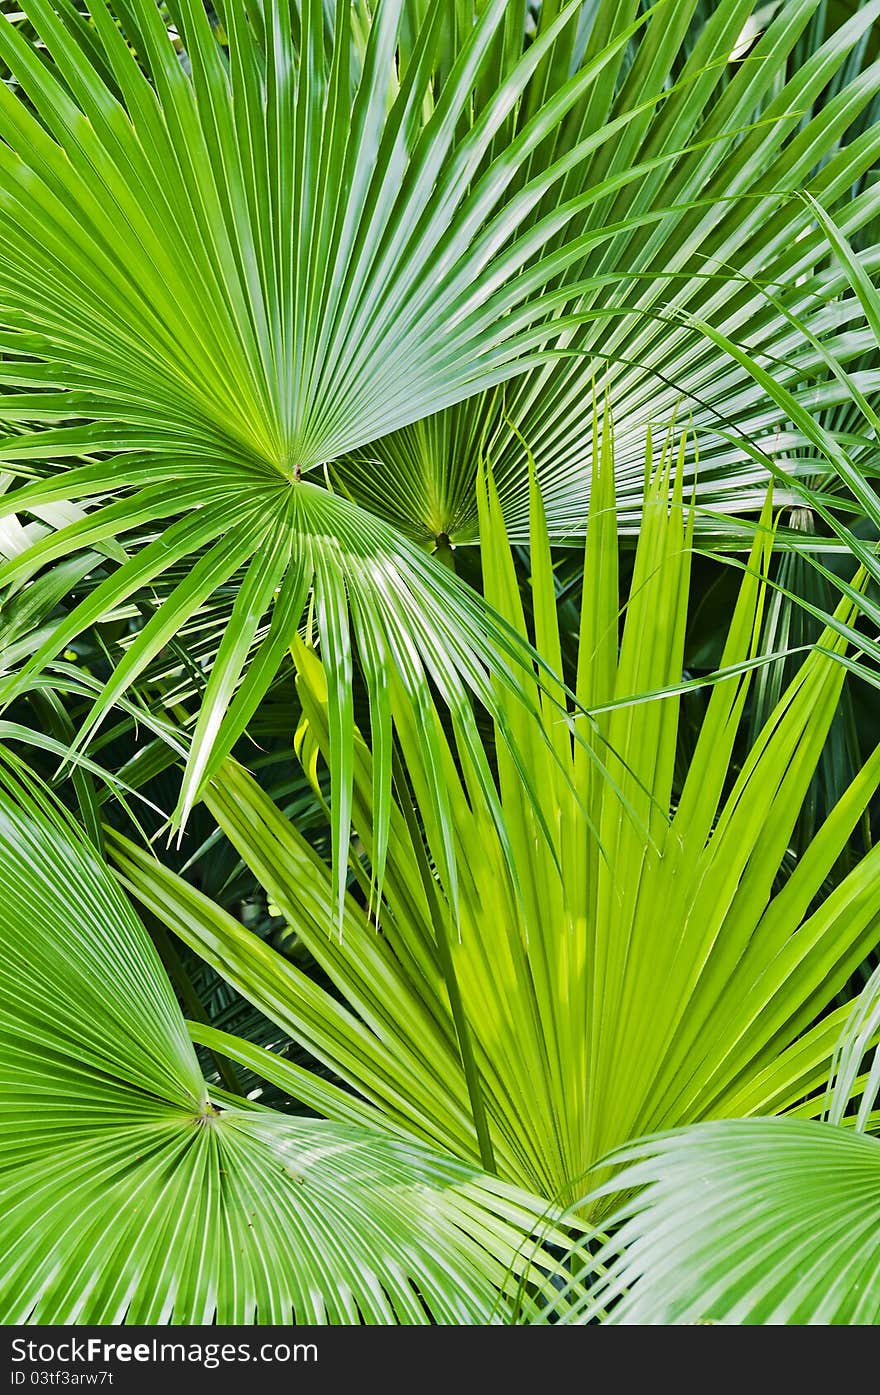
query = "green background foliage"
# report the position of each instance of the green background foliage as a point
(439, 660)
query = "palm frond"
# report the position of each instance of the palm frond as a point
(213, 282)
(131, 1193)
(741, 1221)
(722, 138)
(528, 999)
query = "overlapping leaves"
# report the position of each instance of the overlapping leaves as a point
(128, 1194)
(218, 274)
(766, 1221)
(726, 112)
(760, 1221)
(528, 1009)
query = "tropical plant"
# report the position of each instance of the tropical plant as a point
(784, 1227)
(507, 879)
(742, 1221)
(769, 1221)
(130, 1191)
(494, 991)
(213, 283)
(833, 472)
(757, 104)
(214, 248)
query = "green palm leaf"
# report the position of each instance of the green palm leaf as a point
(767, 1221)
(844, 472)
(722, 134)
(527, 1008)
(760, 1221)
(217, 277)
(127, 1193)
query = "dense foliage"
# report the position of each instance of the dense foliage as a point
(439, 660)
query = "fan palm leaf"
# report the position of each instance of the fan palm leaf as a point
(742, 1221)
(760, 1221)
(525, 1011)
(218, 275)
(131, 1193)
(738, 129)
(847, 469)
